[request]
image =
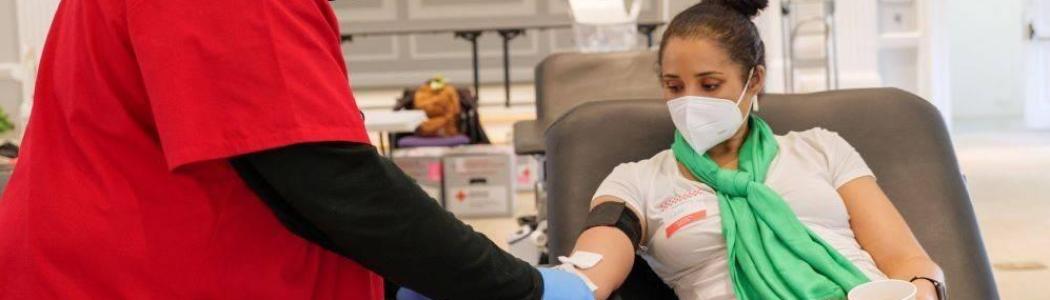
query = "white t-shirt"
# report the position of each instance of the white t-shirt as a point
(683, 241)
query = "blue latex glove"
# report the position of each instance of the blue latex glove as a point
(557, 285)
(562, 285)
(407, 294)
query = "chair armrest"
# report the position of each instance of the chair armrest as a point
(528, 138)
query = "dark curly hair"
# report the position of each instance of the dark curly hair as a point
(728, 23)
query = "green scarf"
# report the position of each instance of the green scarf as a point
(772, 255)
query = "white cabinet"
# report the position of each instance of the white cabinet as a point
(899, 39)
(898, 16)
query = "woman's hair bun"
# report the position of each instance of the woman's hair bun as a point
(748, 8)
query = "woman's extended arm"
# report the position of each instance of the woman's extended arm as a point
(881, 231)
(616, 249)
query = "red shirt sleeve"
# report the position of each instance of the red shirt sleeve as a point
(232, 77)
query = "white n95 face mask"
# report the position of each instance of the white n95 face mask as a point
(705, 121)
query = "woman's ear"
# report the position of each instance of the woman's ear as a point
(758, 81)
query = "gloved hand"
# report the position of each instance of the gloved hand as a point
(407, 294)
(564, 285)
(557, 285)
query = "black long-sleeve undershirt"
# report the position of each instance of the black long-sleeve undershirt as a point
(348, 199)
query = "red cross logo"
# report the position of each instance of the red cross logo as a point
(460, 196)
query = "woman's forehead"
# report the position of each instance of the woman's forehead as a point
(694, 55)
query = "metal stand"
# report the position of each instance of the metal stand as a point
(648, 30)
(386, 142)
(790, 31)
(507, 35)
(832, 80)
(472, 37)
(788, 49)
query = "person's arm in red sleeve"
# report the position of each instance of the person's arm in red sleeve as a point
(263, 82)
(358, 204)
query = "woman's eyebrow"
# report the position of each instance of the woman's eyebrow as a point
(708, 73)
(669, 76)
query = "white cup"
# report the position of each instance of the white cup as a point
(890, 289)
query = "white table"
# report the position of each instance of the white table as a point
(386, 122)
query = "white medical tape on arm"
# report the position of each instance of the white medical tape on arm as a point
(580, 260)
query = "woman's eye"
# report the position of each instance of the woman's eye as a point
(674, 88)
(709, 87)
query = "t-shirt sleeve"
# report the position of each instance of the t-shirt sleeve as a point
(624, 183)
(844, 162)
(225, 78)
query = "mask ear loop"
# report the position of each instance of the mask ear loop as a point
(747, 84)
(754, 101)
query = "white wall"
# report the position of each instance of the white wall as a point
(1037, 55)
(29, 22)
(934, 79)
(857, 45)
(986, 41)
(857, 31)
(10, 85)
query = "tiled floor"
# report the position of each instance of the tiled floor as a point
(1008, 175)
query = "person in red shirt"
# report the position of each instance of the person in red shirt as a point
(191, 149)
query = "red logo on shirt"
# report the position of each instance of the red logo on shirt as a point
(685, 220)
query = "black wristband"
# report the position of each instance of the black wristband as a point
(942, 289)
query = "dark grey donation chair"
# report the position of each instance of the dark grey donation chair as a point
(902, 137)
(564, 80)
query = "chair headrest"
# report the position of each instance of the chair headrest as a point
(565, 80)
